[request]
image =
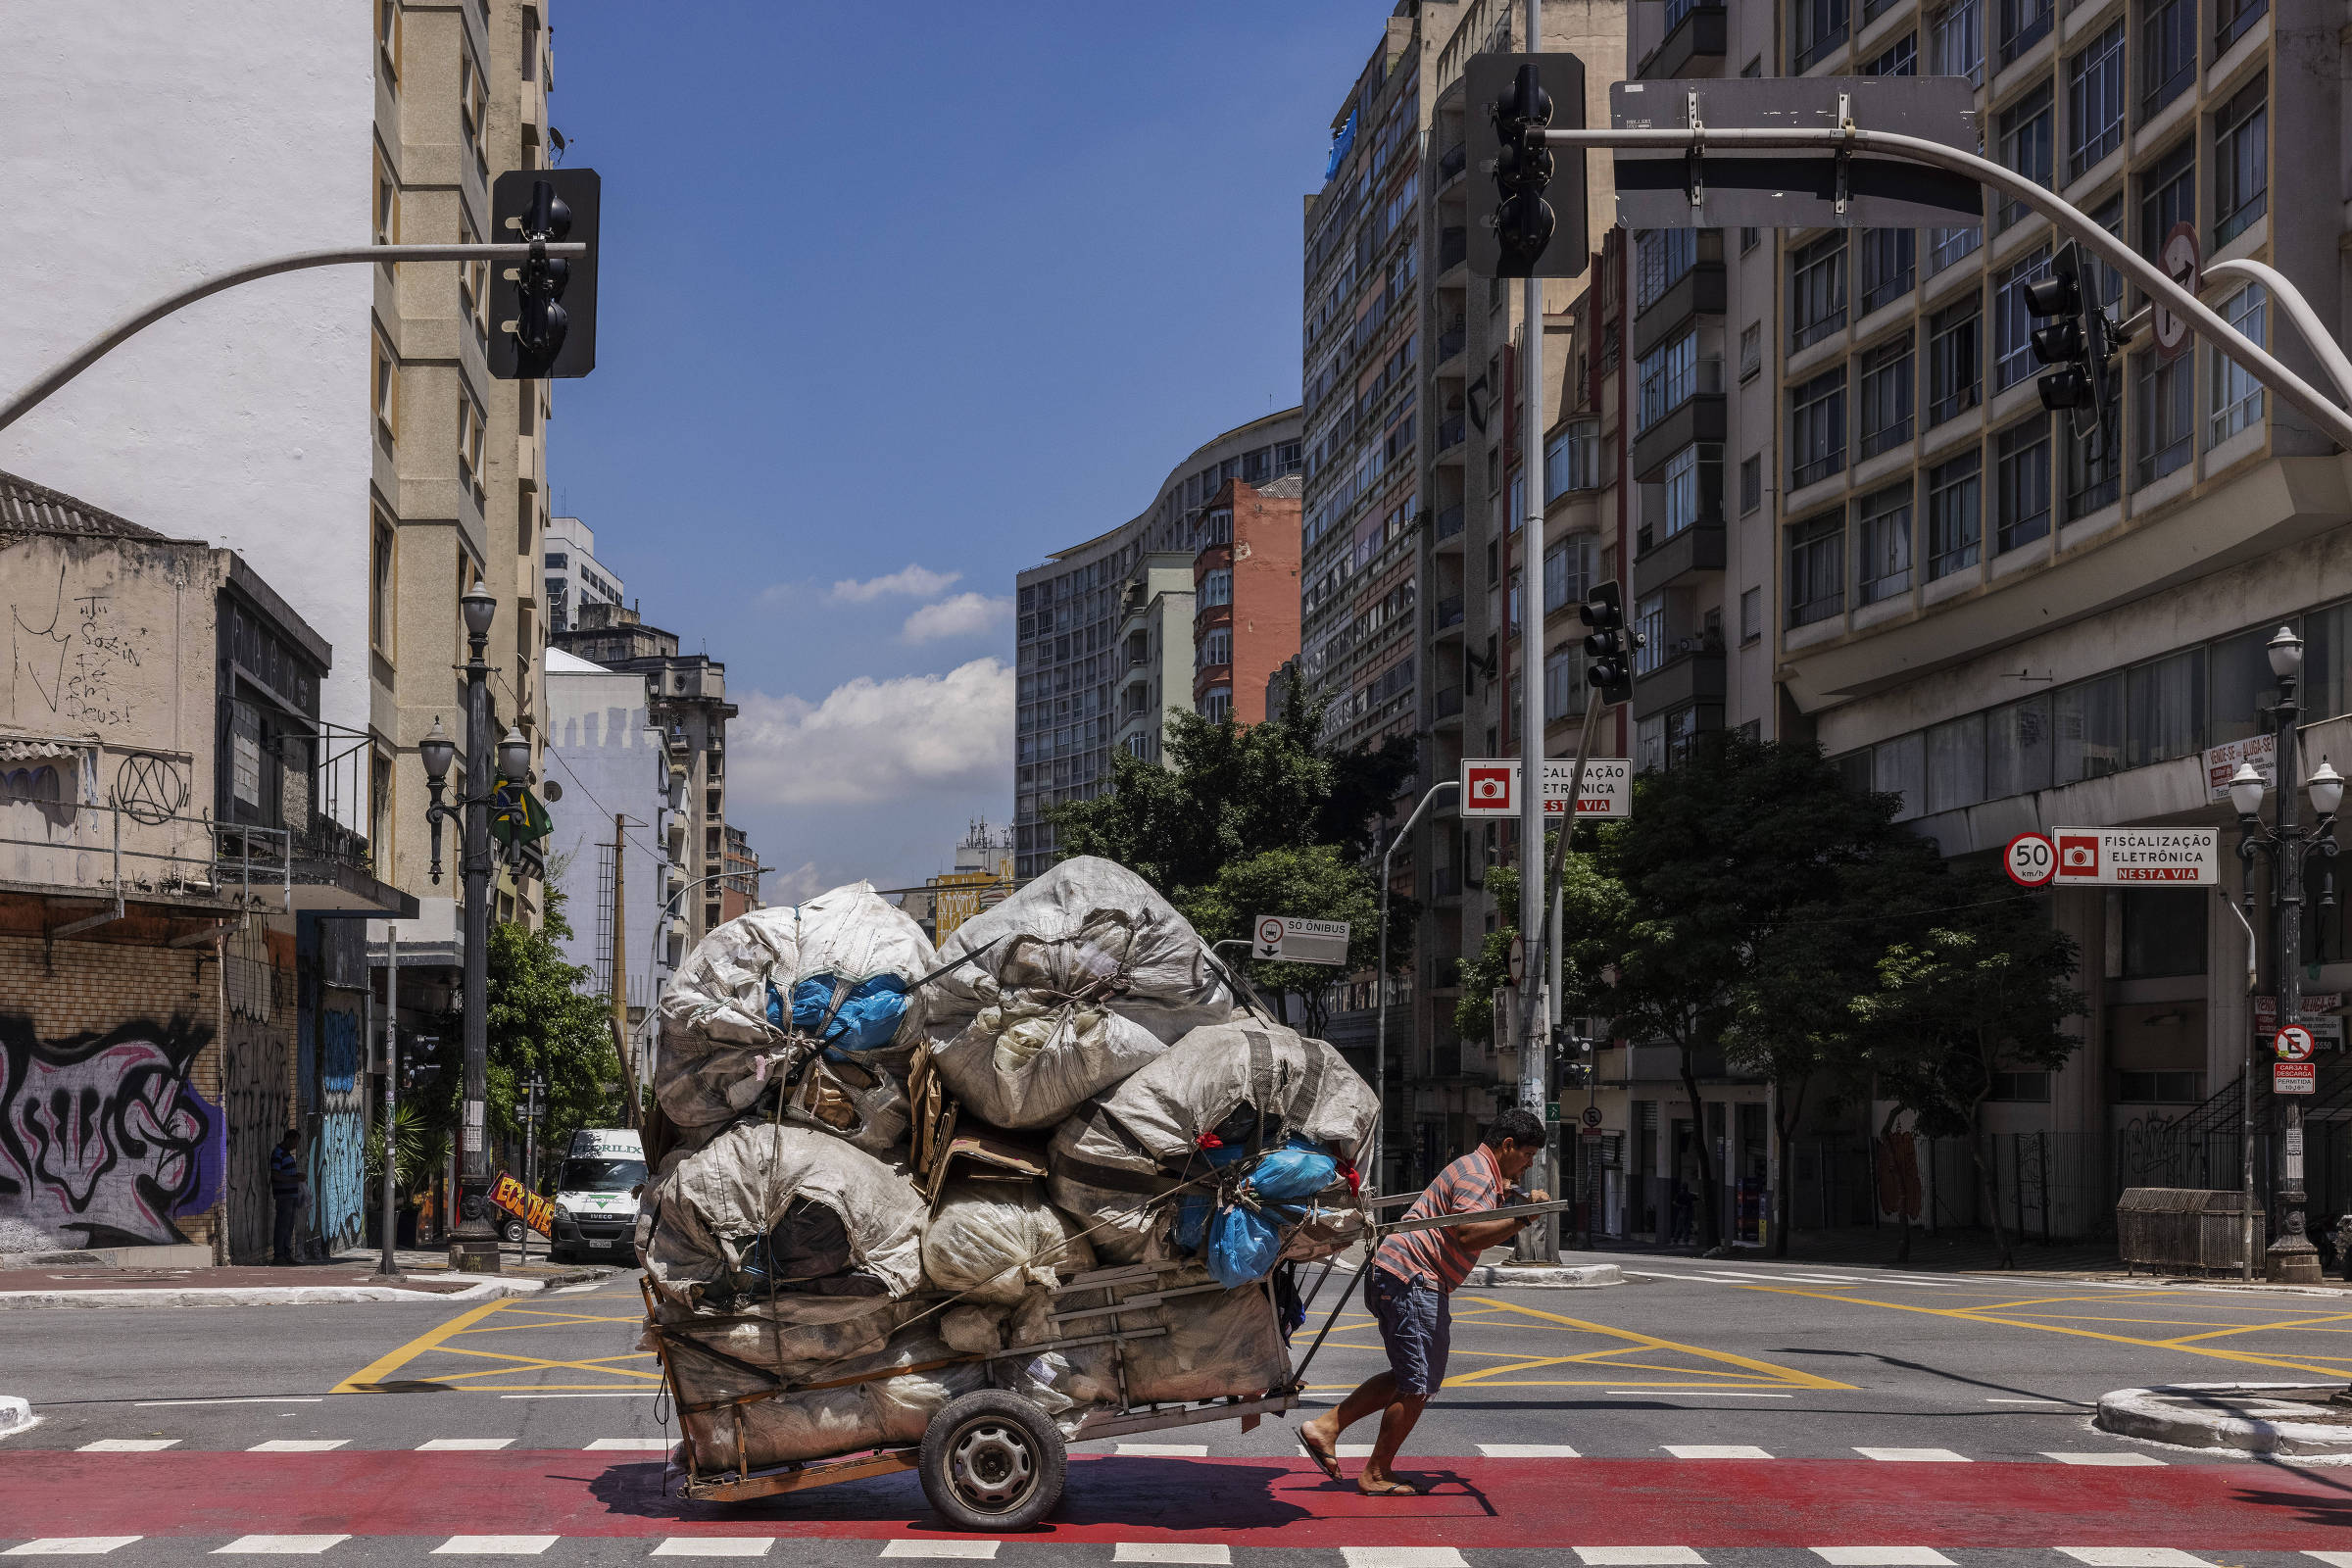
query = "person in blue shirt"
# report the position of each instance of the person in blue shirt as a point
(286, 1182)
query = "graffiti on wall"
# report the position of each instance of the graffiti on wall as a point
(337, 1119)
(104, 1140)
(72, 658)
(254, 1079)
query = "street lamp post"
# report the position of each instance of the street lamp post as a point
(2288, 843)
(475, 1246)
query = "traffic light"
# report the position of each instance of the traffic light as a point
(1536, 227)
(2073, 338)
(543, 309)
(1610, 646)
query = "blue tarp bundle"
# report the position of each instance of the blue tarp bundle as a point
(867, 1019)
(1242, 1244)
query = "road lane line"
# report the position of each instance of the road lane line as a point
(2117, 1460)
(495, 1545)
(1786, 1376)
(1670, 1391)
(600, 1393)
(278, 1545)
(391, 1361)
(1401, 1557)
(1913, 1456)
(631, 1445)
(1164, 1451)
(1716, 1451)
(128, 1445)
(251, 1398)
(298, 1445)
(2076, 1403)
(1882, 1558)
(1636, 1556)
(714, 1546)
(967, 1551)
(2134, 1557)
(70, 1546)
(463, 1444)
(1197, 1555)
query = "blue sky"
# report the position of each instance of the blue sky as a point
(894, 301)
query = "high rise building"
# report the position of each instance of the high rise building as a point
(1070, 658)
(218, 135)
(574, 576)
(1245, 596)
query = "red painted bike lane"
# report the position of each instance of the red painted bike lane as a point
(1246, 1503)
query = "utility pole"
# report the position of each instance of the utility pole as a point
(621, 967)
(390, 1265)
(1537, 1240)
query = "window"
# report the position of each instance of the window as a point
(1956, 41)
(2168, 52)
(1216, 704)
(2231, 19)
(1816, 28)
(2241, 161)
(1649, 624)
(387, 204)
(1752, 348)
(1817, 428)
(2087, 729)
(2094, 101)
(1900, 768)
(1898, 59)
(1883, 546)
(2024, 24)
(1953, 384)
(1751, 614)
(470, 426)
(387, 36)
(1693, 486)
(474, 110)
(2092, 474)
(1216, 588)
(381, 578)
(1816, 569)
(2168, 195)
(1946, 246)
(1886, 265)
(2163, 932)
(2017, 748)
(2032, 1088)
(2165, 434)
(2025, 145)
(2164, 714)
(1563, 677)
(1956, 763)
(1670, 374)
(2164, 1087)
(1572, 462)
(1662, 257)
(1953, 514)
(1751, 483)
(2022, 474)
(385, 371)
(1884, 374)
(1816, 290)
(2236, 395)
(1749, 239)
(2012, 324)
(1567, 572)
(473, 292)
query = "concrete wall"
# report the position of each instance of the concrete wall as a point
(147, 144)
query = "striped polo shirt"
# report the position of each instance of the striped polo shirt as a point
(1437, 1255)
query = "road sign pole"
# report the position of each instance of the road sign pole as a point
(1380, 988)
(1537, 1242)
(2068, 219)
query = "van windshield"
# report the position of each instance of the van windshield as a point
(601, 1175)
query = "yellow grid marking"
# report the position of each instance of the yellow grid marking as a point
(383, 1366)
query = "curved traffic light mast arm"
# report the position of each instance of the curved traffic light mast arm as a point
(2298, 310)
(2075, 223)
(97, 348)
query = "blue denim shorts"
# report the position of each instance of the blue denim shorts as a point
(1417, 1324)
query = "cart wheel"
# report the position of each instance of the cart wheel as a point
(991, 1462)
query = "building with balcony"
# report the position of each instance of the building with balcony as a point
(1245, 597)
(739, 893)
(573, 575)
(1071, 646)
(1154, 676)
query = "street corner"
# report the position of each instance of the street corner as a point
(16, 1415)
(2305, 1421)
(1547, 1276)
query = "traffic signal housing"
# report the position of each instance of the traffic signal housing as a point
(2071, 336)
(543, 309)
(1608, 645)
(1535, 224)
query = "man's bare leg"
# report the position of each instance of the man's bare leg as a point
(1321, 1434)
(1395, 1424)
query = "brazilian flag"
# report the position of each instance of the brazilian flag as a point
(516, 818)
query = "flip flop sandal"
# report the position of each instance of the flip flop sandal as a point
(1388, 1488)
(1328, 1463)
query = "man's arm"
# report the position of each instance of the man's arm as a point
(1494, 1232)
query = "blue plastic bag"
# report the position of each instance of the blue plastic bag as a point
(1242, 1247)
(867, 1020)
(1298, 1169)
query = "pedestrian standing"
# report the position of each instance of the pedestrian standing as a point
(286, 1185)
(1410, 1277)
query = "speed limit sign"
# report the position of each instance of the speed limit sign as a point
(2030, 861)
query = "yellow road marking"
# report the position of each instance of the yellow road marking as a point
(2257, 1328)
(549, 1363)
(383, 1366)
(1780, 1376)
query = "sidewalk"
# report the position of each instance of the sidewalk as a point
(350, 1278)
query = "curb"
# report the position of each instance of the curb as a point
(2170, 1413)
(16, 1415)
(1545, 1277)
(482, 1288)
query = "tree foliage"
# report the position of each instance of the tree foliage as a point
(1320, 882)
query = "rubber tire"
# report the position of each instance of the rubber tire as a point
(1048, 1457)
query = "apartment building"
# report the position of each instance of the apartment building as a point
(1414, 425)
(339, 425)
(1154, 640)
(1245, 596)
(740, 891)
(574, 576)
(1070, 651)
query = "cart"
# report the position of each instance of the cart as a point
(992, 1460)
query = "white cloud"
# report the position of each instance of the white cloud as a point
(915, 582)
(792, 887)
(872, 742)
(963, 615)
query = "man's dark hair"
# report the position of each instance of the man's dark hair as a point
(293, 1136)
(1520, 1125)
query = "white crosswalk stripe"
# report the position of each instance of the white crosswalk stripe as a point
(714, 1546)
(495, 1545)
(278, 1545)
(1191, 1555)
(2134, 1557)
(70, 1546)
(1882, 1558)
(1527, 1450)
(1914, 1455)
(965, 1550)
(1352, 1451)
(463, 1444)
(626, 1445)
(2104, 1459)
(1401, 1557)
(128, 1445)
(1716, 1451)
(298, 1445)
(1164, 1451)
(1636, 1556)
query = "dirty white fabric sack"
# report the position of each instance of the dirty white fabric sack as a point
(817, 1423)
(1219, 1343)
(712, 1219)
(1064, 989)
(715, 1024)
(996, 1241)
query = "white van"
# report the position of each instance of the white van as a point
(596, 1196)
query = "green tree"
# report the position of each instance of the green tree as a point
(1985, 989)
(1319, 882)
(539, 1020)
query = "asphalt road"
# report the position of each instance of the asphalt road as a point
(1735, 1413)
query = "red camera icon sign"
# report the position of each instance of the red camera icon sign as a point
(1489, 787)
(2078, 855)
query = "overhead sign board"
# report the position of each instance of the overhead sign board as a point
(1287, 939)
(1718, 187)
(2136, 857)
(2222, 763)
(1491, 787)
(2295, 1077)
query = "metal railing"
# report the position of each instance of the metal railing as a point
(133, 851)
(1448, 522)
(1453, 162)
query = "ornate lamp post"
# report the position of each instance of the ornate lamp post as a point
(2288, 844)
(475, 1246)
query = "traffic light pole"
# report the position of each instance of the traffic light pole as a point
(390, 1265)
(97, 348)
(2070, 220)
(1534, 1243)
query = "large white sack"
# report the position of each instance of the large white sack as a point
(1260, 1081)
(714, 1029)
(1219, 1343)
(996, 1241)
(817, 1423)
(1064, 989)
(705, 1217)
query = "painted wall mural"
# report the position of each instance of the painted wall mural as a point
(104, 1140)
(335, 1113)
